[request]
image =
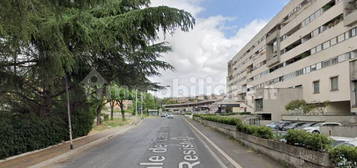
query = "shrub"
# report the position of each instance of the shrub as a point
(24, 132)
(259, 131)
(188, 113)
(219, 119)
(316, 142)
(344, 156)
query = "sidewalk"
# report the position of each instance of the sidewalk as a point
(36, 157)
(246, 157)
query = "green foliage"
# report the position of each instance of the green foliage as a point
(344, 156)
(302, 105)
(219, 119)
(316, 142)
(259, 131)
(27, 132)
(53, 39)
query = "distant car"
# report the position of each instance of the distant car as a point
(293, 126)
(163, 115)
(316, 128)
(170, 116)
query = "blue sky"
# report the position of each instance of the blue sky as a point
(243, 11)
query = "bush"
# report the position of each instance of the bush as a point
(259, 131)
(188, 113)
(344, 156)
(311, 141)
(25, 131)
(219, 119)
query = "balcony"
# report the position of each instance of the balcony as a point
(350, 12)
(350, 19)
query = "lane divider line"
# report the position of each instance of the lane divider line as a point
(219, 160)
(233, 162)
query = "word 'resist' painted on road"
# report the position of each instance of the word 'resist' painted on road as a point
(157, 151)
(190, 157)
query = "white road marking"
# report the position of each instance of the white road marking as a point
(234, 163)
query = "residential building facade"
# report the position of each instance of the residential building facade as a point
(308, 51)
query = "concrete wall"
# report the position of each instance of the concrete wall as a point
(344, 131)
(274, 100)
(293, 156)
(342, 119)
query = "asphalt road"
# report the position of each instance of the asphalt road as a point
(160, 143)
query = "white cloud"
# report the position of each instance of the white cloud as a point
(201, 55)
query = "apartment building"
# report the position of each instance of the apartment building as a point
(307, 51)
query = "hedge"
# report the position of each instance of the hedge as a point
(316, 142)
(259, 131)
(344, 156)
(219, 119)
(25, 131)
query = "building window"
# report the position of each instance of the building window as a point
(318, 48)
(326, 45)
(334, 61)
(347, 35)
(355, 93)
(333, 41)
(354, 32)
(334, 83)
(318, 66)
(326, 63)
(313, 51)
(316, 85)
(258, 104)
(341, 38)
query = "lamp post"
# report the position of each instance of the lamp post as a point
(141, 105)
(69, 114)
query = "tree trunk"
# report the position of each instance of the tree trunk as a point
(112, 103)
(121, 104)
(101, 104)
(98, 111)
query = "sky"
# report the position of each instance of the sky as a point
(200, 56)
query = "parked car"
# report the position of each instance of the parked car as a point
(273, 125)
(316, 128)
(292, 126)
(283, 124)
(163, 115)
(339, 141)
(309, 124)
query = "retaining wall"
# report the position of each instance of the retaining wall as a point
(290, 155)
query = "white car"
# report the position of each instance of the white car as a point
(316, 128)
(339, 141)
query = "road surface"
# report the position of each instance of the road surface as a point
(169, 143)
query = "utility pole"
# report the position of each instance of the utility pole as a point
(69, 114)
(136, 102)
(141, 106)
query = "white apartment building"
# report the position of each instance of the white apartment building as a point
(308, 51)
